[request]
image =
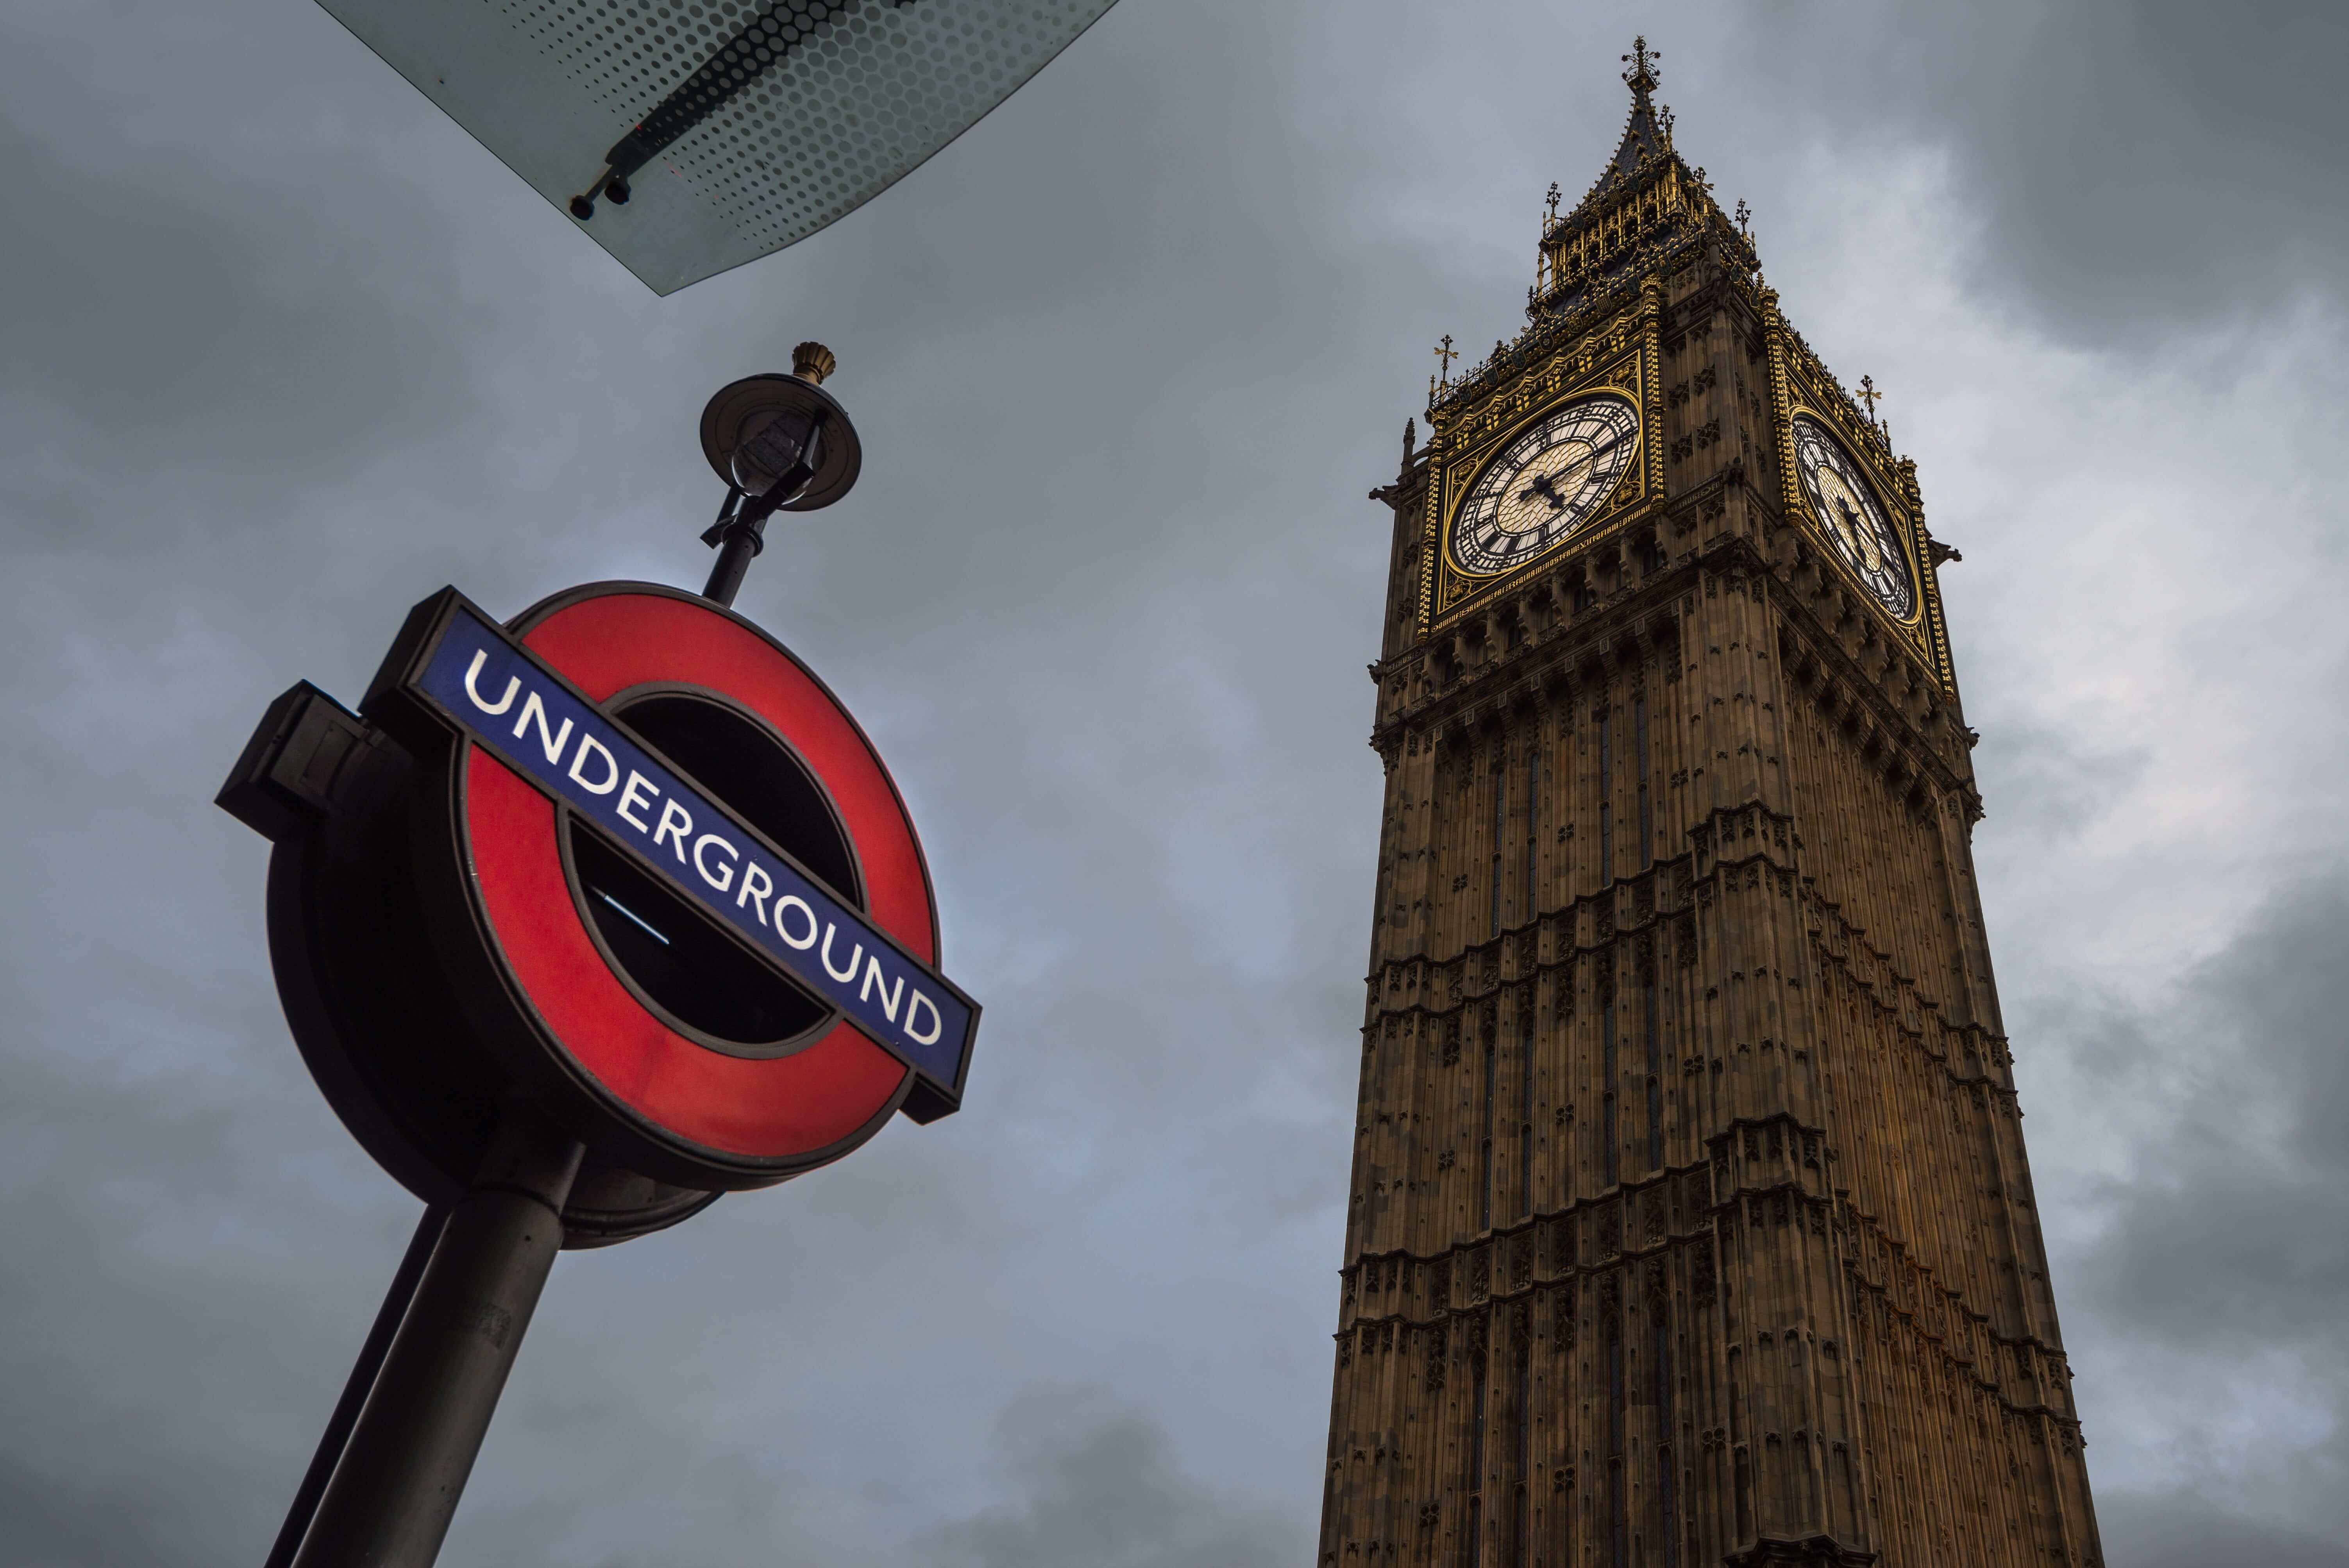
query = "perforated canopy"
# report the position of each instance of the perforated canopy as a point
(740, 126)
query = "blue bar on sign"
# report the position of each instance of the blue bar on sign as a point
(527, 717)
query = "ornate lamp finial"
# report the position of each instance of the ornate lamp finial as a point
(1554, 197)
(1743, 215)
(1664, 123)
(1642, 77)
(811, 362)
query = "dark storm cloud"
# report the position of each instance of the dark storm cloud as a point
(2054, 783)
(54, 1519)
(1097, 1487)
(2224, 1251)
(2139, 162)
(2251, 1185)
(332, 419)
(188, 327)
(2183, 1535)
(285, 352)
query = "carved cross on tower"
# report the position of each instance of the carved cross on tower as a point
(1868, 394)
(1642, 77)
(1444, 355)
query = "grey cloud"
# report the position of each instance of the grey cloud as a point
(1097, 1485)
(2046, 785)
(215, 333)
(2147, 1533)
(2140, 162)
(2236, 1231)
(2204, 1301)
(59, 1519)
(1126, 359)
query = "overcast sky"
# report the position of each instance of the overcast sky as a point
(282, 351)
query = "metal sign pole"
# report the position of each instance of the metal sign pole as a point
(395, 943)
(383, 1486)
(396, 1485)
(361, 1382)
(400, 1445)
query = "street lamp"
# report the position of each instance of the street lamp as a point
(781, 443)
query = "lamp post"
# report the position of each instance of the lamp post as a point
(384, 1484)
(781, 443)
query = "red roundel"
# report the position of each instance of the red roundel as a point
(746, 1111)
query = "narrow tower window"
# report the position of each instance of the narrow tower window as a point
(1492, 1068)
(1666, 1462)
(1472, 1549)
(1522, 1550)
(1500, 803)
(1526, 1115)
(1561, 870)
(1533, 826)
(1607, 1090)
(1655, 1077)
(1618, 1514)
(1605, 798)
(1640, 744)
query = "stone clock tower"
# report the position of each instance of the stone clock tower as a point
(1691, 1222)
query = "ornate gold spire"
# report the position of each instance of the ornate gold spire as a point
(1648, 204)
(1647, 134)
(1647, 198)
(1642, 77)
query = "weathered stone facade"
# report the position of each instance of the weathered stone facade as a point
(1691, 1221)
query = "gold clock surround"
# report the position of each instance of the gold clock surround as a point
(1810, 394)
(1568, 378)
(1875, 549)
(1571, 457)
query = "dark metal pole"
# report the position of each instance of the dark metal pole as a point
(395, 1489)
(743, 538)
(356, 1386)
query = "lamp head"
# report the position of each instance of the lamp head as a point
(767, 431)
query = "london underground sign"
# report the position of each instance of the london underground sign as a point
(654, 872)
(580, 920)
(893, 1031)
(565, 746)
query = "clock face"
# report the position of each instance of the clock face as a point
(1863, 536)
(1546, 484)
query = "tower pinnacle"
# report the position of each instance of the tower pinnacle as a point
(1642, 77)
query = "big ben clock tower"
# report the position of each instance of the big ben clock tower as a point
(1689, 1221)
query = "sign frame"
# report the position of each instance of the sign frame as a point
(496, 995)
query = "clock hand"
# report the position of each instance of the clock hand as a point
(1544, 485)
(1861, 544)
(1541, 486)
